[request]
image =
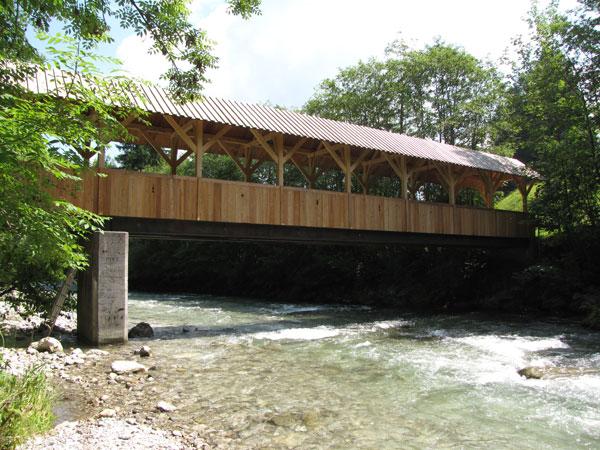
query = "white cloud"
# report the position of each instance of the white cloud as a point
(133, 52)
(283, 54)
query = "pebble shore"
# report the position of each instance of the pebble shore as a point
(100, 407)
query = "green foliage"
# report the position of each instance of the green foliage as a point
(25, 406)
(42, 138)
(431, 277)
(440, 92)
(554, 105)
(136, 157)
(514, 201)
(165, 21)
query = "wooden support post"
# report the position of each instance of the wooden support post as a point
(450, 180)
(491, 183)
(101, 158)
(348, 181)
(404, 178)
(174, 151)
(59, 300)
(199, 134)
(279, 151)
(524, 186)
(347, 169)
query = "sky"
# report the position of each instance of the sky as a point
(281, 56)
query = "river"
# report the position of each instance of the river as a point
(350, 377)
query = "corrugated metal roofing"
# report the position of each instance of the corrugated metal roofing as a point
(156, 100)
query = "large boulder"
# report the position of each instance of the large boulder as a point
(47, 344)
(141, 330)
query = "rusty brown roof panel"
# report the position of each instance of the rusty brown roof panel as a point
(270, 119)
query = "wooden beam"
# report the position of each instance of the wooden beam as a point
(212, 140)
(302, 171)
(360, 159)
(234, 158)
(185, 156)
(488, 190)
(294, 149)
(524, 185)
(130, 118)
(265, 145)
(182, 134)
(199, 134)
(450, 179)
(278, 141)
(347, 170)
(156, 147)
(397, 170)
(174, 153)
(334, 155)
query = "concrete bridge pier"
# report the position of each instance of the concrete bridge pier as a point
(102, 290)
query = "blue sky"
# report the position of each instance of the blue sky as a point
(282, 55)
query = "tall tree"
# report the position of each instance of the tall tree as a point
(42, 138)
(555, 108)
(137, 157)
(439, 92)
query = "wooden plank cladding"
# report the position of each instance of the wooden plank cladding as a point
(311, 208)
(228, 201)
(130, 194)
(121, 193)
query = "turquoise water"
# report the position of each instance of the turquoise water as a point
(307, 376)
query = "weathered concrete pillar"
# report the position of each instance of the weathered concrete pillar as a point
(102, 290)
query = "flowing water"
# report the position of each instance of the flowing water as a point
(344, 377)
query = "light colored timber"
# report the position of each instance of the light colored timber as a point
(265, 145)
(181, 133)
(132, 194)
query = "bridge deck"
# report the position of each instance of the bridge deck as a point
(127, 194)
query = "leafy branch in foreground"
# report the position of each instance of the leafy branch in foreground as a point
(48, 139)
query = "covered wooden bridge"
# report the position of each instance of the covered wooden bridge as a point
(251, 135)
(195, 207)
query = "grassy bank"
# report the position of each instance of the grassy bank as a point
(25, 406)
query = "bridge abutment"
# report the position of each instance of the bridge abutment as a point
(102, 290)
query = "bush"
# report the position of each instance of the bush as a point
(25, 406)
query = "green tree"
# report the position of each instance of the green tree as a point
(136, 157)
(555, 110)
(439, 92)
(42, 138)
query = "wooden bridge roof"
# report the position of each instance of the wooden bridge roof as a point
(156, 101)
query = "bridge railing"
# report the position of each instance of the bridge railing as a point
(122, 193)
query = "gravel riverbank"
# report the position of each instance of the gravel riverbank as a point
(100, 405)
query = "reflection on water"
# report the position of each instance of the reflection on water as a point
(306, 376)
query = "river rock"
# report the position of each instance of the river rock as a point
(97, 352)
(550, 373)
(70, 361)
(283, 420)
(311, 419)
(165, 407)
(141, 330)
(145, 351)
(47, 344)
(125, 367)
(108, 413)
